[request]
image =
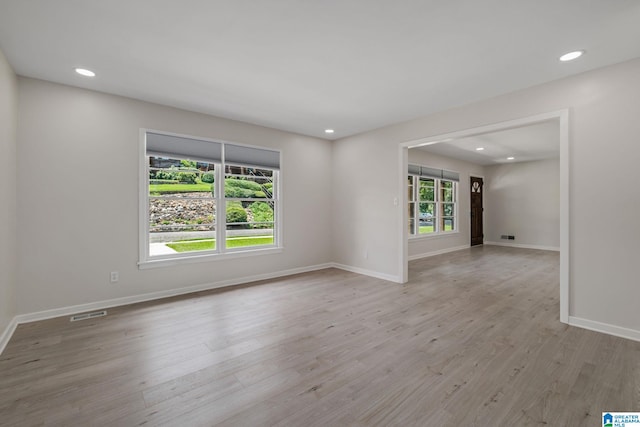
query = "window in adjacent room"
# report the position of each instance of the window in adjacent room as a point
(432, 200)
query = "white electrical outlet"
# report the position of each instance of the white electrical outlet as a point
(115, 277)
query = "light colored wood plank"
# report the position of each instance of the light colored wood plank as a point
(472, 339)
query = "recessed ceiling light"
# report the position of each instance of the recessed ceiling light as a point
(328, 131)
(571, 55)
(510, 158)
(85, 72)
(479, 148)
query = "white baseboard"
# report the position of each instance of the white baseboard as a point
(517, 245)
(366, 272)
(439, 252)
(5, 336)
(67, 311)
(605, 328)
(98, 305)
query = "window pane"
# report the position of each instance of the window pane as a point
(447, 224)
(181, 206)
(248, 183)
(246, 237)
(447, 195)
(180, 177)
(427, 189)
(260, 215)
(447, 191)
(237, 218)
(191, 244)
(249, 223)
(448, 209)
(250, 217)
(172, 221)
(426, 215)
(166, 214)
(164, 240)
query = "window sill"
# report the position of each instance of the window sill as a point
(171, 261)
(433, 235)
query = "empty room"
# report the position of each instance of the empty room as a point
(287, 213)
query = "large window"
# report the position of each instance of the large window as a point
(205, 198)
(432, 200)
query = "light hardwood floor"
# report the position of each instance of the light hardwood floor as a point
(472, 340)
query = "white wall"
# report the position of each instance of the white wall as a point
(523, 200)
(8, 125)
(78, 220)
(440, 243)
(78, 197)
(365, 201)
(604, 130)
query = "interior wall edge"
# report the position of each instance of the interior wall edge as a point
(6, 335)
(366, 272)
(8, 193)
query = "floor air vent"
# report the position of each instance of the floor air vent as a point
(86, 316)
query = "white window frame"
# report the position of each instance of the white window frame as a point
(220, 252)
(415, 199)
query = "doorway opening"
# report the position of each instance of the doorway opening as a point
(448, 141)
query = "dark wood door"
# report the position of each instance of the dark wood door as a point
(477, 235)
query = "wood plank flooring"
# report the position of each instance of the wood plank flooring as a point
(472, 340)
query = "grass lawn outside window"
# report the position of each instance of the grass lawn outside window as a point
(210, 244)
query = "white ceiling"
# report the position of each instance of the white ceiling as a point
(303, 66)
(527, 143)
